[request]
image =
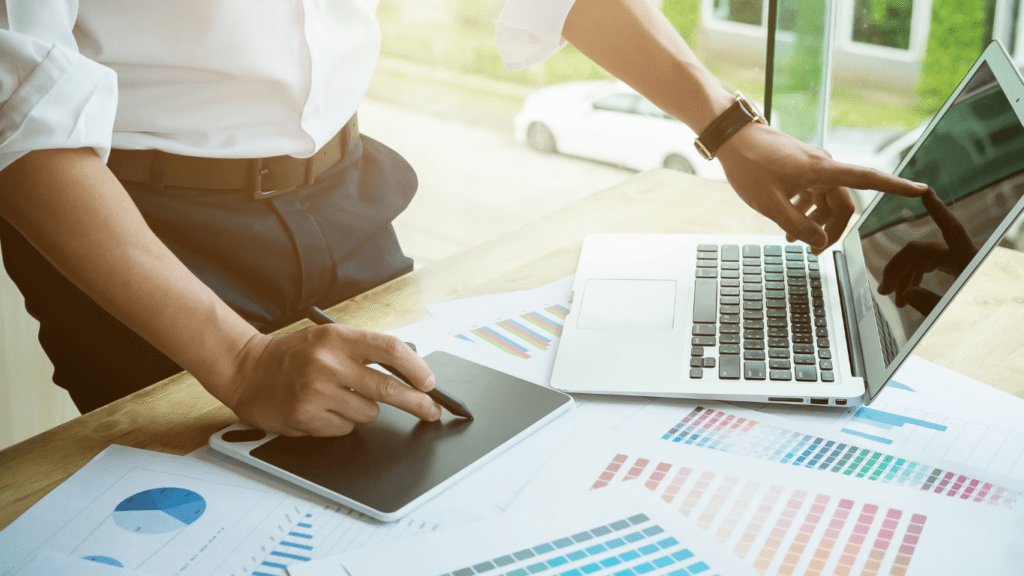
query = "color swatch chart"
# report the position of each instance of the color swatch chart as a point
(729, 432)
(780, 530)
(524, 336)
(627, 547)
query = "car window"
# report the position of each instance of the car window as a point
(617, 103)
(645, 108)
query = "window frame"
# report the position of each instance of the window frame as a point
(920, 24)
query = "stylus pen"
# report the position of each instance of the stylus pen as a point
(446, 400)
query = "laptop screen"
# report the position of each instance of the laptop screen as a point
(914, 248)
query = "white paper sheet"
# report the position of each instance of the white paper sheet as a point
(50, 564)
(623, 531)
(785, 521)
(161, 514)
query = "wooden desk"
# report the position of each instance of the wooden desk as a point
(978, 336)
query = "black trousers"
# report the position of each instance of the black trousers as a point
(268, 259)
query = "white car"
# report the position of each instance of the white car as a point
(606, 120)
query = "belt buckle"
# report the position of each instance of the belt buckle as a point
(258, 172)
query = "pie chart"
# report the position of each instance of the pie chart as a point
(159, 510)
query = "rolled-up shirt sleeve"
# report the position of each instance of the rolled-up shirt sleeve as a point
(530, 31)
(50, 95)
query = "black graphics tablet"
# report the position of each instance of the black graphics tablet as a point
(390, 466)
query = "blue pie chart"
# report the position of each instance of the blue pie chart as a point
(159, 510)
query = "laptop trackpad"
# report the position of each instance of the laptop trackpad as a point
(628, 304)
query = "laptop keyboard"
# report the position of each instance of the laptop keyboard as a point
(759, 317)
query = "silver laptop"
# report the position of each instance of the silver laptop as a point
(752, 318)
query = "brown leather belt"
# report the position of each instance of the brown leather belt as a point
(260, 177)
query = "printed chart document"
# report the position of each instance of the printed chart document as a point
(159, 514)
(784, 521)
(617, 531)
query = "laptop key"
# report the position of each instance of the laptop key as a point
(778, 332)
(778, 352)
(734, 300)
(753, 354)
(733, 274)
(729, 309)
(812, 258)
(696, 373)
(803, 349)
(753, 315)
(828, 377)
(730, 338)
(776, 313)
(754, 334)
(751, 251)
(774, 277)
(753, 324)
(707, 273)
(707, 247)
(779, 364)
(703, 329)
(728, 329)
(798, 290)
(753, 344)
(703, 341)
(748, 305)
(780, 375)
(803, 359)
(730, 253)
(821, 332)
(729, 349)
(802, 339)
(696, 362)
(776, 303)
(825, 364)
(730, 266)
(728, 291)
(707, 263)
(754, 370)
(752, 287)
(778, 322)
(824, 354)
(752, 295)
(777, 268)
(729, 368)
(793, 248)
(806, 374)
(822, 343)
(820, 322)
(729, 319)
(751, 269)
(696, 351)
(794, 256)
(752, 278)
(773, 250)
(704, 301)
(709, 362)
(730, 282)
(778, 342)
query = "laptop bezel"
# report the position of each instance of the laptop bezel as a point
(876, 373)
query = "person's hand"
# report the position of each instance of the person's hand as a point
(798, 186)
(315, 382)
(904, 272)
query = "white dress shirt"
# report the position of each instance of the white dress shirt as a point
(213, 78)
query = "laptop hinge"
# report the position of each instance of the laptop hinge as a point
(849, 316)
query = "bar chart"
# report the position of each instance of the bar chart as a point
(722, 430)
(526, 335)
(780, 529)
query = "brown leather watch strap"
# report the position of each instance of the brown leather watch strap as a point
(728, 123)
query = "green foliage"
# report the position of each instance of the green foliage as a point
(684, 16)
(882, 22)
(956, 38)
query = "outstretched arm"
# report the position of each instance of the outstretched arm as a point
(798, 186)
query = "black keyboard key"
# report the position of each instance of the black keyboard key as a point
(824, 354)
(817, 293)
(730, 338)
(709, 362)
(707, 273)
(731, 282)
(825, 364)
(779, 364)
(730, 253)
(729, 368)
(827, 376)
(752, 270)
(751, 251)
(704, 301)
(774, 277)
(729, 309)
(817, 302)
(778, 332)
(728, 291)
(703, 329)
(780, 375)
(801, 328)
(753, 315)
(790, 273)
(798, 290)
(703, 341)
(707, 263)
(753, 344)
(774, 268)
(778, 343)
(816, 283)
(707, 248)
(756, 305)
(776, 294)
(730, 266)
(754, 370)
(814, 275)
(793, 248)
(795, 265)
(731, 274)
(729, 329)
(821, 332)
(729, 319)
(803, 359)
(778, 322)
(806, 374)
(798, 299)
(775, 285)
(796, 282)
(729, 300)
(752, 287)
(776, 303)
(752, 262)
(778, 352)
(773, 250)
(799, 309)
(820, 322)
(754, 334)
(729, 349)
(696, 373)
(823, 343)
(776, 313)
(696, 362)
(803, 339)
(753, 354)
(696, 351)
(819, 312)
(794, 257)
(751, 278)
(813, 266)
(752, 296)
(753, 324)
(803, 349)
(812, 258)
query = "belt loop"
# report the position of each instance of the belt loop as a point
(309, 170)
(258, 171)
(158, 170)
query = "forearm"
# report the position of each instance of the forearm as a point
(76, 213)
(637, 44)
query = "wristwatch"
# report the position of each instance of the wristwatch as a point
(741, 113)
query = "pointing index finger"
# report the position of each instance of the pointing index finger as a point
(839, 174)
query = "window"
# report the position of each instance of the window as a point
(882, 22)
(617, 103)
(741, 11)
